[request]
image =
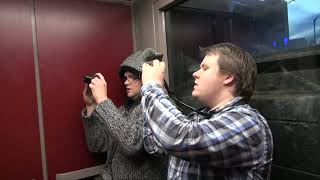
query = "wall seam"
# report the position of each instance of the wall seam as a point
(38, 92)
(133, 25)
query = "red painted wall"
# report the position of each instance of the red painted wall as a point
(74, 38)
(19, 131)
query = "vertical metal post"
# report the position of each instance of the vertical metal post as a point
(38, 91)
(314, 30)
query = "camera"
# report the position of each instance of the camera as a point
(154, 56)
(88, 77)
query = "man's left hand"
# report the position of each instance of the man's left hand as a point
(154, 72)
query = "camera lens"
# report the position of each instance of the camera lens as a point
(87, 79)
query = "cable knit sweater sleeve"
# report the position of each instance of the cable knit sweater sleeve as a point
(97, 138)
(126, 128)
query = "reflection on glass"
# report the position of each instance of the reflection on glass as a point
(301, 16)
(284, 37)
(271, 30)
(316, 29)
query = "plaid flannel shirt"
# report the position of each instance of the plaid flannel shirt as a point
(235, 143)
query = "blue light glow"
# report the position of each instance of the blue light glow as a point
(285, 41)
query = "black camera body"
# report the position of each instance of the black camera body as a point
(154, 56)
(88, 77)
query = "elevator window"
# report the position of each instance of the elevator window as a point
(284, 38)
(263, 27)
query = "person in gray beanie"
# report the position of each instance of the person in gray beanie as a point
(118, 132)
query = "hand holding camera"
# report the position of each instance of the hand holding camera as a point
(87, 96)
(154, 72)
(98, 87)
(87, 80)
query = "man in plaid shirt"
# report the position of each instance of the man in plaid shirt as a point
(226, 140)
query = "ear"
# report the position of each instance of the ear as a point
(228, 79)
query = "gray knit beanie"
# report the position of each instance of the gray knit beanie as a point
(134, 62)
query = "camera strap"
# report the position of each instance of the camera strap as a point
(200, 111)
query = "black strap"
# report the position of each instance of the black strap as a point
(208, 115)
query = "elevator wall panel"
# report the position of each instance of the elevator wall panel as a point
(75, 38)
(20, 152)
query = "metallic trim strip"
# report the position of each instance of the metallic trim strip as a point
(159, 31)
(80, 174)
(38, 91)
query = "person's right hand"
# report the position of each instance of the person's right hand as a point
(99, 88)
(154, 72)
(88, 99)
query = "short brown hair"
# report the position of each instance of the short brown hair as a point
(234, 60)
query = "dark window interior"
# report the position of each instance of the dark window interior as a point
(284, 38)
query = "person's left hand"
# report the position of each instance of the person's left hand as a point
(154, 72)
(88, 99)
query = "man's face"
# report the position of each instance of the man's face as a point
(208, 81)
(133, 85)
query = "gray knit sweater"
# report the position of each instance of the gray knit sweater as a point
(119, 134)
(121, 131)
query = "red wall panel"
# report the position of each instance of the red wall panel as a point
(74, 38)
(19, 131)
